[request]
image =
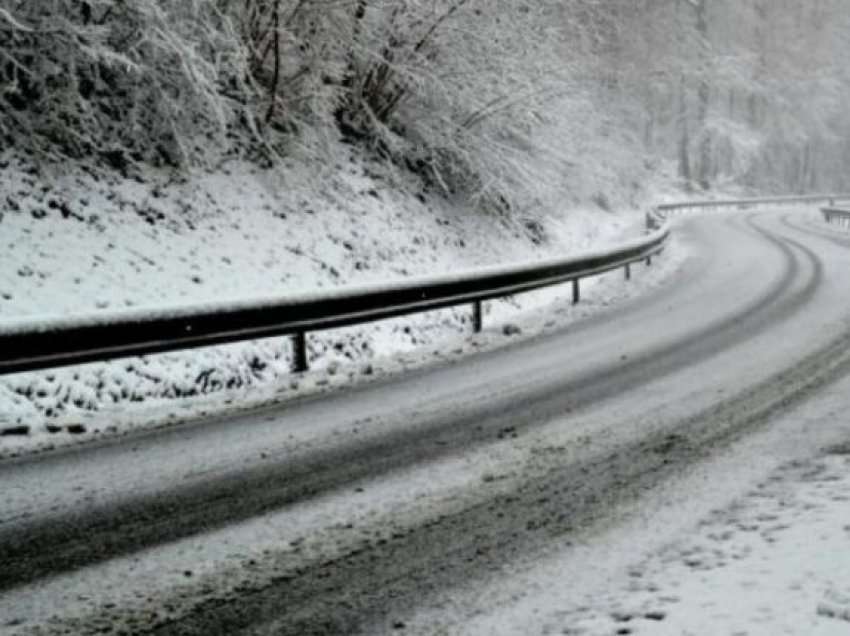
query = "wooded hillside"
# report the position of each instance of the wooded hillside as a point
(510, 103)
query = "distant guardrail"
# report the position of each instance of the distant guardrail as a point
(32, 344)
(661, 213)
(837, 215)
(750, 202)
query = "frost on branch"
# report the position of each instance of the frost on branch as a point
(448, 88)
(149, 80)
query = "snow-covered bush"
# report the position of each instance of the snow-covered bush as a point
(148, 80)
(458, 91)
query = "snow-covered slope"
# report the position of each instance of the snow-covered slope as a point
(83, 241)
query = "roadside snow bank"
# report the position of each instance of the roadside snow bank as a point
(85, 241)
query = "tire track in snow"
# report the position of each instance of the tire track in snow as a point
(341, 596)
(347, 594)
(824, 234)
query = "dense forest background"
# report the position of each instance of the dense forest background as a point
(507, 103)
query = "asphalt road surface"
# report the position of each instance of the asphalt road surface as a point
(427, 503)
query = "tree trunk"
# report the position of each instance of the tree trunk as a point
(684, 137)
(703, 102)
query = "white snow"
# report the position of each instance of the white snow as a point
(648, 560)
(94, 244)
(773, 562)
(756, 542)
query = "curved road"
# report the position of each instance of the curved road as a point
(421, 504)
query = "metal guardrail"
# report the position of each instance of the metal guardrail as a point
(661, 213)
(28, 344)
(52, 342)
(830, 199)
(837, 215)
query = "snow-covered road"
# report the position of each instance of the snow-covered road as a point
(508, 492)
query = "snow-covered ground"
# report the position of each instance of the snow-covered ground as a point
(725, 547)
(755, 541)
(773, 562)
(751, 542)
(85, 241)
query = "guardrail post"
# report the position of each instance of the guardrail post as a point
(648, 261)
(576, 291)
(299, 351)
(628, 272)
(477, 317)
